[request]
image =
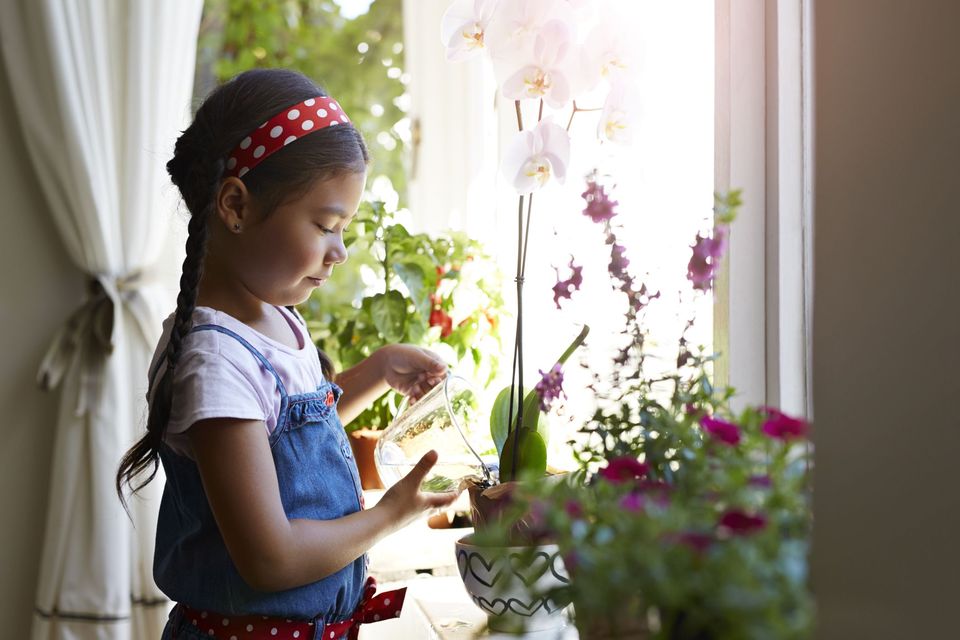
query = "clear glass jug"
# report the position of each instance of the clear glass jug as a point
(448, 419)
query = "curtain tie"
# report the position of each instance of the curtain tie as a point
(87, 335)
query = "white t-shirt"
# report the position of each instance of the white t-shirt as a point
(218, 377)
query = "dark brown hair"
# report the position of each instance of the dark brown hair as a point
(229, 114)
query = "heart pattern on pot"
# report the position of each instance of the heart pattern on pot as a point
(498, 606)
(484, 573)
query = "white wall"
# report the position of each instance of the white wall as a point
(886, 309)
(38, 287)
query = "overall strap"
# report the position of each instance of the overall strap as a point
(259, 356)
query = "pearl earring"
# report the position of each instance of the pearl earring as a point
(236, 226)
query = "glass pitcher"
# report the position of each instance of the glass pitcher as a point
(448, 418)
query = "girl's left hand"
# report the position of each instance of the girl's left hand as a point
(411, 370)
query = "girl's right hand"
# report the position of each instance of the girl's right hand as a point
(404, 500)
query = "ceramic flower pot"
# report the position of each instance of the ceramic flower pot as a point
(506, 584)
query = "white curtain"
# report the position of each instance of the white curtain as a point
(101, 88)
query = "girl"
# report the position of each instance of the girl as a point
(262, 531)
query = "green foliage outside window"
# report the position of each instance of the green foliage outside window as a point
(359, 61)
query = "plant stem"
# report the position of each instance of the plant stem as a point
(577, 109)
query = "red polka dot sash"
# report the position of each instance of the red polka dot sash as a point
(290, 124)
(373, 607)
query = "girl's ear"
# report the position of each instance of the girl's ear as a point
(233, 204)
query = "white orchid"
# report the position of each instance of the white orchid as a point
(605, 54)
(535, 156)
(464, 26)
(516, 23)
(547, 75)
(619, 114)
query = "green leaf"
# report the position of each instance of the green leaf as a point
(531, 456)
(389, 313)
(501, 412)
(413, 278)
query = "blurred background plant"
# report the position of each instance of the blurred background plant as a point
(440, 291)
(351, 47)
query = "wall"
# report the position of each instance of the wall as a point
(886, 309)
(38, 288)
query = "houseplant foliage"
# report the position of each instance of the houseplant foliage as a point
(440, 291)
(686, 518)
(360, 57)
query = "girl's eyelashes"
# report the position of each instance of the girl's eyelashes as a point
(324, 229)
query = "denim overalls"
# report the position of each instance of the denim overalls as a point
(318, 480)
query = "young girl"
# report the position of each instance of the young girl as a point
(262, 531)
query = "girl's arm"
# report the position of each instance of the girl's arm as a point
(271, 552)
(410, 370)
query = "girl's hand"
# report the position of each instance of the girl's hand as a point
(411, 370)
(404, 500)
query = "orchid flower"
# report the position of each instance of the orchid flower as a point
(546, 76)
(618, 115)
(512, 32)
(605, 55)
(534, 156)
(464, 26)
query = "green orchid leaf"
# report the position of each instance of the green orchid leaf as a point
(531, 455)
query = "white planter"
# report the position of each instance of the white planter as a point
(502, 585)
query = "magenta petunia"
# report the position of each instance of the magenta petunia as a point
(741, 523)
(574, 509)
(550, 387)
(724, 431)
(623, 469)
(783, 427)
(699, 542)
(633, 502)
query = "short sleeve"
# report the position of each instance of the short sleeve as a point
(209, 385)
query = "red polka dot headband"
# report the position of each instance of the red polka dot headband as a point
(290, 124)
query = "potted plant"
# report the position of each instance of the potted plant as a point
(437, 291)
(685, 518)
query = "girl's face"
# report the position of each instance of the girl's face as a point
(284, 256)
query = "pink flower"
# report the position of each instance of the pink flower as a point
(699, 542)
(550, 387)
(740, 523)
(599, 205)
(705, 260)
(781, 426)
(573, 509)
(565, 288)
(623, 469)
(632, 502)
(724, 431)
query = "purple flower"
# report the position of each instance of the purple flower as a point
(623, 469)
(574, 509)
(599, 205)
(781, 426)
(759, 481)
(724, 431)
(699, 542)
(618, 262)
(550, 387)
(741, 523)
(565, 288)
(633, 502)
(703, 264)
